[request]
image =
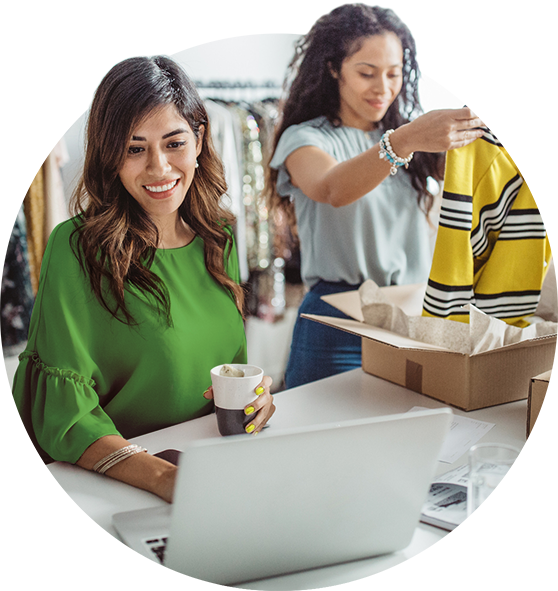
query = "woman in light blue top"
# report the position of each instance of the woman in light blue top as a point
(350, 166)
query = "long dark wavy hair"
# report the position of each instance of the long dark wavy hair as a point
(312, 91)
(115, 239)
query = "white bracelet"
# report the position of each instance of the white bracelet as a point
(117, 456)
(387, 153)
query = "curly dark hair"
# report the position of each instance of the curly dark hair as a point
(312, 91)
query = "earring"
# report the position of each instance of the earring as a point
(196, 165)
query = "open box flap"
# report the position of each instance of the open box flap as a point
(377, 334)
(347, 302)
(543, 377)
(407, 297)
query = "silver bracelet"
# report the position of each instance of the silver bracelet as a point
(117, 456)
(387, 153)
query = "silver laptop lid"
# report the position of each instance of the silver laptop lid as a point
(253, 507)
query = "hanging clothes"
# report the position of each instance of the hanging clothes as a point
(29, 167)
(17, 292)
(55, 209)
(492, 249)
(242, 131)
(226, 141)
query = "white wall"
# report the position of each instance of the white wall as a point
(75, 43)
(490, 49)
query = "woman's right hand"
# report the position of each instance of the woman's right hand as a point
(437, 131)
(141, 470)
(165, 483)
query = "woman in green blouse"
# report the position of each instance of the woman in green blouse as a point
(139, 295)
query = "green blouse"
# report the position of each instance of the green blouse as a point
(85, 375)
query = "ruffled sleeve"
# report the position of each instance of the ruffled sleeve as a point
(85, 375)
(54, 386)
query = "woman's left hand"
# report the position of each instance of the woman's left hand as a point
(262, 408)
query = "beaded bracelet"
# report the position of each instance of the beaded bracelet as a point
(117, 456)
(387, 153)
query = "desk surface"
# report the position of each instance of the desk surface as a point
(74, 507)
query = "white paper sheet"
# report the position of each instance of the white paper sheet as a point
(463, 434)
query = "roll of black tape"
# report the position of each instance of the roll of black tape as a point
(27, 552)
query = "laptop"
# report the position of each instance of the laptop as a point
(247, 508)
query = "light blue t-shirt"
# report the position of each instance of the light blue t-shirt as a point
(383, 236)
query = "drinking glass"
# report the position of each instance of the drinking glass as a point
(493, 505)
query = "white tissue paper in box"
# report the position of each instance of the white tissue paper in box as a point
(482, 333)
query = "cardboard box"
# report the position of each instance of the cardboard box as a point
(468, 382)
(537, 392)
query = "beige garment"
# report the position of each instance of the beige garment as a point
(55, 155)
(29, 169)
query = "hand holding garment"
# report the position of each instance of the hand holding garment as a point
(492, 249)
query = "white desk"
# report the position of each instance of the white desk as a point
(74, 507)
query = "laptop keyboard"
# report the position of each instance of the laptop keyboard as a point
(157, 546)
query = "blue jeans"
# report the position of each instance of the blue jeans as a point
(319, 351)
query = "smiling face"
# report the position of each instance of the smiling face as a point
(370, 80)
(160, 163)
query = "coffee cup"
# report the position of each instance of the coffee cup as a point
(231, 394)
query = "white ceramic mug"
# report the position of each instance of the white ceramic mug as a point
(232, 394)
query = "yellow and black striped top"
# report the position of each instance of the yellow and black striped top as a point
(492, 249)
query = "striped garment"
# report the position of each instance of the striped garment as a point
(492, 249)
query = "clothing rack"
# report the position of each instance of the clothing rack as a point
(237, 84)
(239, 90)
(28, 85)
